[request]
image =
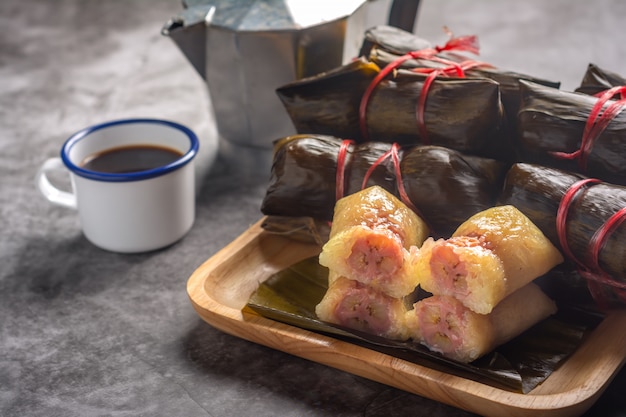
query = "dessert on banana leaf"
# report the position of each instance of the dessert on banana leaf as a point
(580, 216)
(597, 80)
(445, 186)
(461, 114)
(357, 306)
(371, 237)
(371, 240)
(489, 256)
(290, 296)
(568, 131)
(443, 324)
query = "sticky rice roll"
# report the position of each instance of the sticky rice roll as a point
(443, 324)
(353, 305)
(372, 257)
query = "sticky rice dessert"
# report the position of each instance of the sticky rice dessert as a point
(351, 304)
(489, 256)
(372, 239)
(443, 324)
(373, 257)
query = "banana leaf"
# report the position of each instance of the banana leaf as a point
(461, 114)
(302, 229)
(290, 297)
(537, 192)
(392, 39)
(552, 120)
(565, 284)
(597, 79)
(445, 186)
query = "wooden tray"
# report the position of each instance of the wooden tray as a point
(221, 287)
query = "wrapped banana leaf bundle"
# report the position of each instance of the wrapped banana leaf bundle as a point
(383, 45)
(445, 187)
(461, 114)
(572, 131)
(583, 218)
(597, 80)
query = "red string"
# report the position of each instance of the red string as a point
(421, 107)
(593, 273)
(424, 53)
(341, 169)
(420, 114)
(599, 238)
(394, 154)
(404, 197)
(453, 68)
(462, 43)
(597, 122)
(376, 163)
(561, 216)
(597, 278)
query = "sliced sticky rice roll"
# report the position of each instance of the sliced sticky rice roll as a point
(463, 268)
(351, 304)
(372, 236)
(490, 256)
(373, 257)
(444, 325)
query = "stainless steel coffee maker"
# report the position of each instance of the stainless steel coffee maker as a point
(245, 49)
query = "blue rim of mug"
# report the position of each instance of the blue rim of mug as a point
(130, 176)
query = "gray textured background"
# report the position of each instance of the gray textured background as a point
(85, 332)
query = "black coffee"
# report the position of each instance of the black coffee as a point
(128, 159)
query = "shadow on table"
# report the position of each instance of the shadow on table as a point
(327, 390)
(293, 380)
(47, 268)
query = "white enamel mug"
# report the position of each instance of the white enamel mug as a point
(128, 212)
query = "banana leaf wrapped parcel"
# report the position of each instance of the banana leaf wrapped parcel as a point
(583, 217)
(461, 114)
(383, 45)
(572, 131)
(311, 172)
(597, 80)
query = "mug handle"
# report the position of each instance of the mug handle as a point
(53, 194)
